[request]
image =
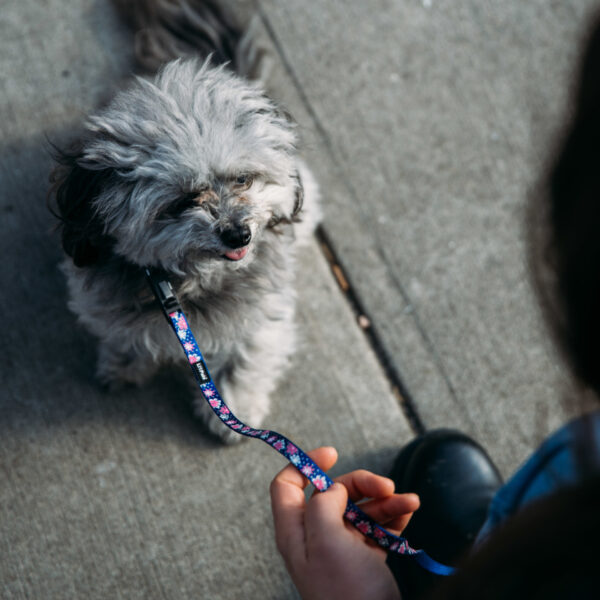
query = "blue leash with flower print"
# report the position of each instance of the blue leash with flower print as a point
(170, 305)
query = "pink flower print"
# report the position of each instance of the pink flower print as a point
(307, 470)
(272, 439)
(378, 533)
(181, 324)
(246, 429)
(224, 410)
(193, 359)
(214, 403)
(264, 435)
(231, 422)
(208, 392)
(279, 445)
(237, 426)
(291, 448)
(363, 527)
(319, 482)
(188, 346)
(351, 515)
(394, 546)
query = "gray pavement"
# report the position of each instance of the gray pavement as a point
(427, 124)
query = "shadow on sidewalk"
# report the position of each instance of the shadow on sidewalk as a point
(47, 372)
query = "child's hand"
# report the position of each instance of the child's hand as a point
(325, 555)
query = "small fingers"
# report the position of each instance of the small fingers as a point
(288, 504)
(392, 512)
(364, 484)
(323, 521)
(325, 457)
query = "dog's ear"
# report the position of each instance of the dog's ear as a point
(299, 201)
(75, 189)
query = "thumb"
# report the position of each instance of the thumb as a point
(324, 516)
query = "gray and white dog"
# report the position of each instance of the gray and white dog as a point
(194, 171)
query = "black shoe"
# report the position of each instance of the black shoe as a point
(455, 480)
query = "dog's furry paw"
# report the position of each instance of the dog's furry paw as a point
(253, 413)
(215, 426)
(108, 377)
(116, 370)
(111, 386)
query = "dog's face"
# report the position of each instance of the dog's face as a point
(184, 173)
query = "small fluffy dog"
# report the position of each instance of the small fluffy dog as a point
(195, 172)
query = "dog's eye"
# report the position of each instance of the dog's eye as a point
(179, 206)
(243, 182)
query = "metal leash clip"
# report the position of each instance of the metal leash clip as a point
(163, 290)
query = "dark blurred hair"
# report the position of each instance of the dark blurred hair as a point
(567, 261)
(549, 550)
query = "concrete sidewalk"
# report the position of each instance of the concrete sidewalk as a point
(426, 125)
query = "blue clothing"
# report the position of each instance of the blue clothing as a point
(556, 464)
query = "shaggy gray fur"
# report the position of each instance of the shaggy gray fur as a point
(162, 174)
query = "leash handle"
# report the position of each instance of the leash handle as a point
(172, 309)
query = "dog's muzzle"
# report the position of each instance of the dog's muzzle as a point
(237, 238)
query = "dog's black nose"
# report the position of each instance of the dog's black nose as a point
(236, 236)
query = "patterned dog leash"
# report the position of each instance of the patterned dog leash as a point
(170, 305)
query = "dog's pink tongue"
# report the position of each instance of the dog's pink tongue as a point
(237, 254)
